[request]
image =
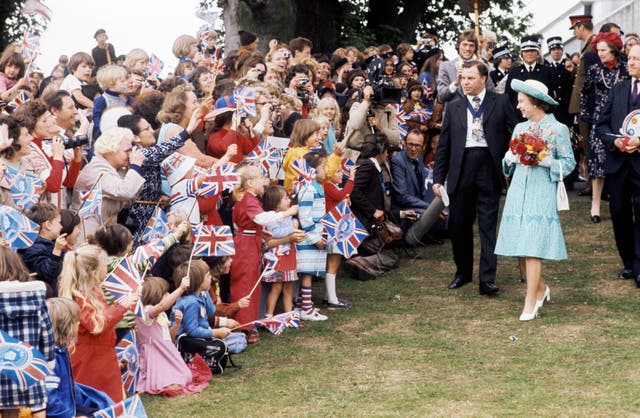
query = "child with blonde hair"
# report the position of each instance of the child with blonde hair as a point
(250, 219)
(62, 391)
(113, 80)
(94, 361)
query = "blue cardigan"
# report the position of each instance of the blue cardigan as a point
(194, 316)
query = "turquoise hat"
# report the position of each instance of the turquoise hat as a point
(533, 88)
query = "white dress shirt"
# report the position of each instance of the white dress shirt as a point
(474, 141)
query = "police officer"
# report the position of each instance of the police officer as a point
(531, 68)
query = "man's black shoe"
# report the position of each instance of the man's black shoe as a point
(458, 281)
(488, 289)
(625, 274)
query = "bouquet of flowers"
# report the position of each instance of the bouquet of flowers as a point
(530, 148)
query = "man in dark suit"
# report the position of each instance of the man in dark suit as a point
(410, 200)
(529, 69)
(562, 80)
(622, 167)
(475, 136)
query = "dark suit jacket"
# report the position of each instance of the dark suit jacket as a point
(498, 120)
(406, 187)
(615, 110)
(367, 194)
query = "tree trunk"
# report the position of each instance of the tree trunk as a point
(316, 20)
(266, 18)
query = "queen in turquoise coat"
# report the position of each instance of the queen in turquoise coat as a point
(530, 226)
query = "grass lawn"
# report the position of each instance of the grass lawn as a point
(411, 347)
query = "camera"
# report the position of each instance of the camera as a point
(76, 141)
(261, 76)
(412, 216)
(303, 94)
(286, 54)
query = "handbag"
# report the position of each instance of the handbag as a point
(387, 232)
(561, 195)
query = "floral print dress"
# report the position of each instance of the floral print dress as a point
(598, 82)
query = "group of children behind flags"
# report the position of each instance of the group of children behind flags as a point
(151, 314)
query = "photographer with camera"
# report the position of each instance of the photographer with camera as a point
(372, 115)
(299, 81)
(47, 151)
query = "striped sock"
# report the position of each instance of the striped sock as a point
(307, 304)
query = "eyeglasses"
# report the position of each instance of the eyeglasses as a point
(413, 145)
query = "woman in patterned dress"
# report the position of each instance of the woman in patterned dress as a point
(530, 226)
(600, 78)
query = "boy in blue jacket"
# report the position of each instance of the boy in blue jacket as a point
(45, 256)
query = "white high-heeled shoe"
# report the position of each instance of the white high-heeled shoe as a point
(547, 296)
(529, 316)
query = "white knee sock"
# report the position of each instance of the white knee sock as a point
(330, 286)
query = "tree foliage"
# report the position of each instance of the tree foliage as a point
(333, 23)
(13, 24)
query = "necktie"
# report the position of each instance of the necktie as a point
(476, 103)
(634, 91)
(416, 170)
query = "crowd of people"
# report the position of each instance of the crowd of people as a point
(416, 145)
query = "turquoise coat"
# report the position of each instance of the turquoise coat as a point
(530, 226)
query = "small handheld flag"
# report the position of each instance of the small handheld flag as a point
(20, 362)
(213, 241)
(127, 351)
(91, 201)
(18, 230)
(245, 100)
(157, 228)
(155, 66)
(130, 407)
(344, 229)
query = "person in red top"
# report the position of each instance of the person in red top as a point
(47, 151)
(334, 194)
(226, 131)
(250, 218)
(94, 361)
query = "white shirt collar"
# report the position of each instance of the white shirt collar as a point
(376, 163)
(480, 95)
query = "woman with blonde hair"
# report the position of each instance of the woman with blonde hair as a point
(329, 108)
(185, 48)
(94, 360)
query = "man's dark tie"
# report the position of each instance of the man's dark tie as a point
(634, 91)
(417, 172)
(476, 103)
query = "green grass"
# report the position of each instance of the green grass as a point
(411, 347)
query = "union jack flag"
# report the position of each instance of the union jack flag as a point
(203, 34)
(149, 253)
(21, 98)
(130, 407)
(265, 155)
(420, 115)
(30, 44)
(183, 192)
(157, 228)
(306, 174)
(218, 179)
(91, 201)
(346, 165)
(123, 280)
(402, 123)
(213, 241)
(128, 351)
(20, 362)
(154, 66)
(25, 188)
(18, 230)
(277, 323)
(245, 100)
(344, 229)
